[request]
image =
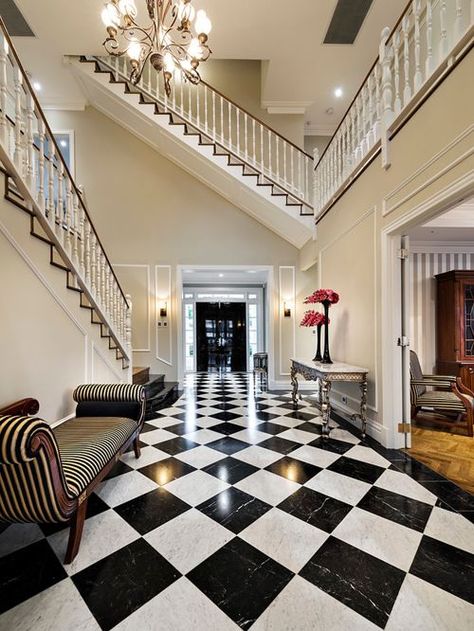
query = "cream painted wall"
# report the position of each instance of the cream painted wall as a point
(149, 212)
(48, 344)
(430, 155)
(316, 142)
(240, 81)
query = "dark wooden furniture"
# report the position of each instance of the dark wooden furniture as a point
(455, 325)
(48, 474)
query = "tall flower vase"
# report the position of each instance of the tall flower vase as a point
(318, 356)
(326, 356)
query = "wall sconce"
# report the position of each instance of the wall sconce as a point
(163, 309)
(286, 310)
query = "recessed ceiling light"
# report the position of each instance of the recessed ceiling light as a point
(338, 93)
(189, 271)
(221, 275)
(63, 143)
(37, 86)
(251, 271)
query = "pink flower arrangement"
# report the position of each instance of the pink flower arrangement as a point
(323, 295)
(313, 318)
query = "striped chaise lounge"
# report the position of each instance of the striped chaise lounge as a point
(47, 474)
(449, 395)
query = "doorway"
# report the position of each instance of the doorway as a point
(221, 336)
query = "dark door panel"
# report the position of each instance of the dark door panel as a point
(221, 336)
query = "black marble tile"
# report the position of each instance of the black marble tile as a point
(448, 492)
(446, 567)
(240, 580)
(147, 512)
(234, 509)
(118, 469)
(226, 428)
(281, 445)
(183, 428)
(141, 444)
(308, 426)
(265, 416)
(147, 427)
(290, 406)
(398, 508)
(28, 572)
(228, 406)
(331, 444)
(357, 469)
(271, 428)
(417, 470)
(294, 470)
(177, 445)
(300, 415)
(262, 407)
(360, 581)
(229, 469)
(228, 445)
(315, 508)
(225, 416)
(95, 505)
(166, 470)
(118, 585)
(187, 416)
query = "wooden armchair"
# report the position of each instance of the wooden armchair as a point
(448, 396)
(46, 474)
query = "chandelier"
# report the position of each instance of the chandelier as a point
(175, 39)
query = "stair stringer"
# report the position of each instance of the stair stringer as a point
(200, 160)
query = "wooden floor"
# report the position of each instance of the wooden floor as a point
(450, 454)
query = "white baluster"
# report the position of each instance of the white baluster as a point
(75, 227)
(406, 58)
(51, 175)
(269, 138)
(103, 264)
(300, 174)
(41, 196)
(261, 148)
(418, 76)
(429, 66)
(237, 116)
(181, 95)
(459, 26)
(365, 126)
(88, 251)
(292, 167)
(213, 115)
(60, 204)
(285, 145)
(229, 131)
(93, 263)
(68, 243)
(387, 95)
(198, 108)
(254, 140)
(107, 290)
(128, 325)
(82, 246)
(277, 151)
(18, 153)
(378, 101)
(206, 122)
(316, 199)
(3, 89)
(246, 136)
(396, 67)
(443, 45)
(222, 119)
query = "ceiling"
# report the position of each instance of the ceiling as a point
(455, 225)
(299, 72)
(224, 276)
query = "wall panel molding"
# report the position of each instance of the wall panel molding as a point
(163, 335)
(287, 326)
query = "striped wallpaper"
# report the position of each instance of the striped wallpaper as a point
(423, 267)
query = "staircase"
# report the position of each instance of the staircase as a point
(38, 181)
(158, 393)
(213, 138)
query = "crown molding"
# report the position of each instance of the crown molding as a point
(326, 129)
(286, 107)
(60, 104)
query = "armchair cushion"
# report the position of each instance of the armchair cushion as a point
(111, 392)
(109, 408)
(441, 400)
(86, 444)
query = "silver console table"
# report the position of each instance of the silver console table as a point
(327, 374)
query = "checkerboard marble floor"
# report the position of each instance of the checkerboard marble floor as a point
(239, 515)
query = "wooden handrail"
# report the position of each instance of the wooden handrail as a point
(39, 110)
(22, 407)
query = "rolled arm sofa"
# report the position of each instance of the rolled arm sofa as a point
(47, 474)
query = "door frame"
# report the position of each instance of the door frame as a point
(393, 381)
(269, 302)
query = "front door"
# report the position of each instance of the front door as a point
(221, 336)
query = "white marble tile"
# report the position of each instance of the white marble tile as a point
(189, 539)
(203, 436)
(258, 456)
(268, 487)
(421, 606)
(171, 410)
(161, 422)
(200, 457)
(103, 534)
(208, 410)
(402, 484)
(298, 436)
(148, 455)
(380, 537)
(342, 487)
(301, 606)
(157, 436)
(251, 436)
(207, 422)
(287, 539)
(287, 421)
(276, 409)
(341, 434)
(314, 455)
(452, 528)
(247, 422)
(18, 536)
(125, 487)
(180, 607)
(365, 454)
(57, 608)
(196, 487)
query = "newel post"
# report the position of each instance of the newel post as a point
(385, 52)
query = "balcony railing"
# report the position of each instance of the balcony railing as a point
(230, 127)
(427, 40)
(31, 156)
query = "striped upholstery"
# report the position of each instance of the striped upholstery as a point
(416, 374)
(112, 392)
(87, 444)
(26, 483)
(440, 400)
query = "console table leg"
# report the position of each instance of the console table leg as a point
(294, 383)
(363, 406)
(325, 407)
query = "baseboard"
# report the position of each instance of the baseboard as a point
(63, 420)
